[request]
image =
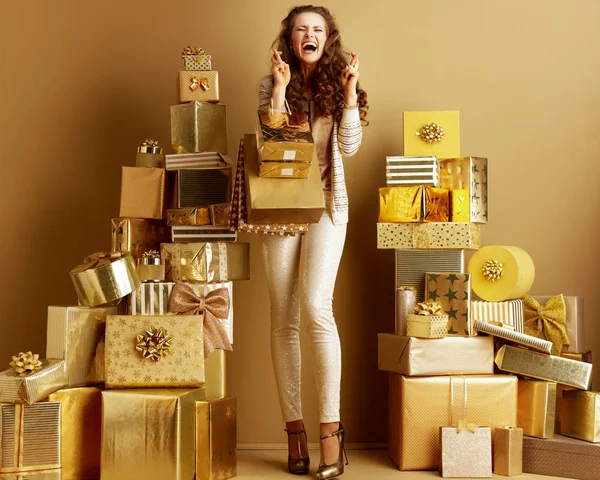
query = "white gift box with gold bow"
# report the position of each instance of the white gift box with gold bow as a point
(201, 86)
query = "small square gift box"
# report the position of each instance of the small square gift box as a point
(150, 267)
(194, 58)
(199, 127)
(198, 86)
(452, 290)
(150, 155)
(414, 203)
(428, 321)
(432, 134)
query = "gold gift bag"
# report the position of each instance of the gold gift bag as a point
(454, 443)
(432, 134)
(142, 192)
(199, 127)
(195, 86)
(536, 408)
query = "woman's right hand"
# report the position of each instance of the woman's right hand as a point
(280, 70)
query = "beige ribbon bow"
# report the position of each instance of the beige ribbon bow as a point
(462, 424)
(98, 259)
(215, 305)
(549, 318)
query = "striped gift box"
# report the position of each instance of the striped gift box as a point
(202, 233)
(509, 312)
(178, 161)
(412, 171)
(520, 338)
(205, 186)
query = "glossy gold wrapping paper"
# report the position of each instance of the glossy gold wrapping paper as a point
(449, 147)
(536, 408)
(514, 337)
(426, 326)
(149, 434)
(81, 428)
(137, 235)
(33, 387)
(215, 374)
(126, 367)
(151, 273)
(452, 291)
(206, 261)
(580, 416)
(444, 356)
(467, 180)
(456, 463)
(436, 205)
(142, 192)
(198, 86)
(284, 169)
(574, 322)
(459, 206)
(199, 127)
(74, 335)
(509, 312)
(544, 367)
(219, 214)
(288, 143)
(31, 439)
(508, 451)
(216, 439)
(426, 236)
(188, 216)
(401, 204)
(419, 406)
(412, 171)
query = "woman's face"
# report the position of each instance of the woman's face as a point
(308, 37)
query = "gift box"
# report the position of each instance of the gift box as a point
(137, 235)
(514, 337)
(215, 374)
(436, 205)
(31, 439)
(142, 192)
(411, 266)
(203, 186)
(467, 180)
(198, 86)
(149, 433)
(219, 214)
(150, 155)
(74, 335)
(508, 313)
(150, 267)
(216, 439)
(433, 134)
(276, 200)
(508, 451)
(201, 233)
(573, 321)
(406, 299)
(178, 161)
(501, 273)
(561, 457)
(444, 356)
(455, 442)
(188, 216)
(199, 127)
(194, 58)
(154, 351)
(412, 171)
(104, 277)
(536, 408)
(426, 236)
(401, 204)
(419, 406)
(81, 428)
(453, 292)
(426, 326)
(206, 262)
(35, 386)
(544, 367)
(580, 415)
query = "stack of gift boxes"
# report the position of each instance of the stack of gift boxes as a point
(483, 377)
(134, 385)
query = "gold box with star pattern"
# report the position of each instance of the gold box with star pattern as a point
(452, 290)
(131, 359)
(216, 439)
(467, 180)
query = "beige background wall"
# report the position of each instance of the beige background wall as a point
(83, 83)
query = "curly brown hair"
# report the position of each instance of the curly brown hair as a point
(329, 95)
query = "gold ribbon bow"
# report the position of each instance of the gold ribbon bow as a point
(154, 344)
(549, 318)
(199, 83)
(192, 50)
(149, 142)
(462, 424)
(431, 133)
(428, 308)
(215, 305)
(25, 363)
(98, 259)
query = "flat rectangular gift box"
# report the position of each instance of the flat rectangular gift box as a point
(202, 233)
(467, 180)
(177, 161)
(138, 235)
(429, 236)
(36, 386)
(188, 216)
(198, 86)
(412, 171)
(512, 336)
(199, 127)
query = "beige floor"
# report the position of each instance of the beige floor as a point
(364, 465)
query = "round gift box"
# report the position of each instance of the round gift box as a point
(518, 273)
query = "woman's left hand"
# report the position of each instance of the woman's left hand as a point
(349, 79)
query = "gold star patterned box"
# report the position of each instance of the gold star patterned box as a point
(432, 134)
(453, 292)
(467, 180)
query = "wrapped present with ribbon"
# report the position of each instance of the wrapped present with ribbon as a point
(203, 186)
(105, 277)
(580, 415)
(401, 204)
(427, 321)
(419, 406)
(412, 171)
(156, 425)
(30, 379)
(188, 216)
(501, 273)
(142, 192)
(150, 155)
(216, 439)
(506, 314)
(197, 86)
(467, 180)
(507, 334)
(432, 134)
(452, 290)
(508, 451)
(31, 441)
(76, 335)
(455, 441)
(137, 235)
(194, 58)
(199, 127)
(547, 321)
(81, 429)
(536, 407)
(552, 324)
(429, 236)
(150, 267)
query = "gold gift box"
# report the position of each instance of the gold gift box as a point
(509, 312)
(198, 86)
(419, 406)
(126, 367)
(215, 374)
(206, 261)
(31, 440)
(574, 322)
(74, 335)
(437, 208)
(426, 236)
(467, 180)
(202, 233)
(412, 171)
(277, 200)
(199, 127)
(414, 145)
(504, 333)
(219, 214)
(544, 367)
(137, 235)
(508, 451)
(445, 356)
(149, 433)
(81, 429)
(401, 204)
(197, 62)
(536, 408)
(35, 386)
(216, 439)
(452, 290)
(455, 463)
(142, 192)
(426, 326)
(580, 415)
(198, 187)
(188, 216)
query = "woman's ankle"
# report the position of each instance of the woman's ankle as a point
(329, 428)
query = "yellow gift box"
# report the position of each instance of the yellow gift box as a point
(199, 127)
(452, 290)
(536, 408)
(419, 406)
(142, 192)
(437, 207)
(508, 451)
(188, 216)
(137, 235)
(133, 358)
(216, 439)
(416, 138)
(429, 236)
(467, 180)
(149, 433)
(426, 326)
(198, 86)
(81, 428)
(401, 204)
(580, 415)
(454, 463)
(35, 386)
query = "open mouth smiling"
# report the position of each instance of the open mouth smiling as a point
(309, 47)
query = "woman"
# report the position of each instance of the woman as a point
(312, 74)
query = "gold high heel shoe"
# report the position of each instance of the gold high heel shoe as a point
(300, 465)
(335, 469)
